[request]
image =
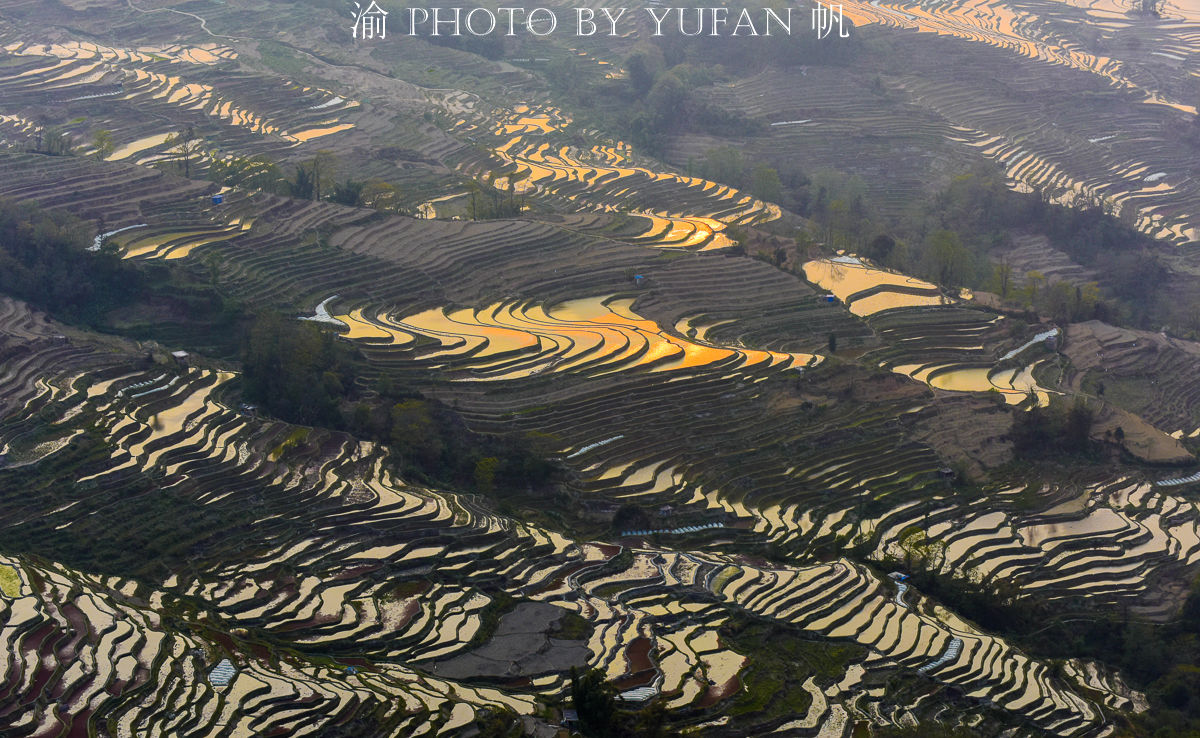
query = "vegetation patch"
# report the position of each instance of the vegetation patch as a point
(779, 662)
(10, 581)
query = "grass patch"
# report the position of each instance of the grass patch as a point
(573, 627)
(1131, 393)
(10, 581)
(293, 439)
(279, 58)
(489, 619)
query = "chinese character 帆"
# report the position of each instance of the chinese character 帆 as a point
(825, 17)
(371, 22)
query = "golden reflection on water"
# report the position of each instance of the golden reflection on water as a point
(596, 334)
(846, 277)
(1014, 385)
(540, 165)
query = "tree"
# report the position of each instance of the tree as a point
(1003, 273)
(324, 166)
(255, 172)
(414, 431)
(308, 180)
(595, 701)
(643, 66)
(380, 195)
(348, 192)
(295, 370)
(474, 190)
(724, 164)
(1060, 301)
(1058, 428)
(566, 74)
(838, 222)
(212, 262)
(947, 260)
(514, 179)
(499, 724)
(55, 143)
(667, 100)
(1034, 281)
(302, 185)
(629, 517)
(186, 146)
(1079, 425)
(880, 249)
(43, 126)
(765, 183)
(485, 474)
(652, 722)
(102, 142)
(832, 343)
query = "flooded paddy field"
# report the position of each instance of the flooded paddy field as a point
(1034, 107)
(624, 379)
(606, 178)
(628, 362)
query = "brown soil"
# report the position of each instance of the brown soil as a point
(1142, 440)
(639, 655)
(968, 431)
(719, 692)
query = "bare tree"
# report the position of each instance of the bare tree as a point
(324, 171)
(186, 145)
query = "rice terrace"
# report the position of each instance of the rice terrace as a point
(364, 373)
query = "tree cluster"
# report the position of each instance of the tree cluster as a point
(600, 715)
(726, 165)
(295, 370)
(44, 260)
(1057, 429)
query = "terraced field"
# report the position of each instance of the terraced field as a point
(625, 369)
(347, 604)
(367, 530)
(1150, 374)
(630, 380)
(538, 162)
(591, 335)
(114, 83)
(1074, 103)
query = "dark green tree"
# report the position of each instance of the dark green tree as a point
(596, 702)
